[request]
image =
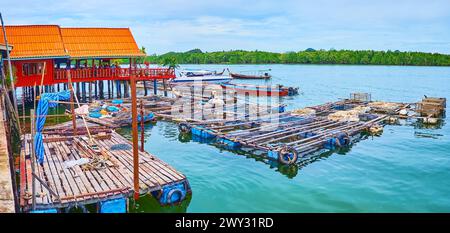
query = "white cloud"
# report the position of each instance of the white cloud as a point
(276, 25)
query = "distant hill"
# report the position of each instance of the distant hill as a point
(308, 56)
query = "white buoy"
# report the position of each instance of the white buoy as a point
(403, 112)
(430, 120)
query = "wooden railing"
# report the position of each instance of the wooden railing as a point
(92, 74)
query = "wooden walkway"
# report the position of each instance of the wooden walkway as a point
(60, 185)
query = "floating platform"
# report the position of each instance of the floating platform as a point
(293, 136)
(62, 181)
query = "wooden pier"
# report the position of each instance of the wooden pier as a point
(61, 183)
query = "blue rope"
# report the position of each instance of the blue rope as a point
(41, 112)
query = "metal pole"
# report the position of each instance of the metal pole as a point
(9, 65)
(135, 134)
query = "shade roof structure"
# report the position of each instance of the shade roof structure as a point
(34, 41)
(53, 41)
(100, 43)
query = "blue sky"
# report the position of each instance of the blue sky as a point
(277, 25)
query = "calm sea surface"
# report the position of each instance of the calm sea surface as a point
(407, 169)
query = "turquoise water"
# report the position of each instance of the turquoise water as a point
(406, 169)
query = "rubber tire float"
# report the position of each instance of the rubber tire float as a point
(287, 156)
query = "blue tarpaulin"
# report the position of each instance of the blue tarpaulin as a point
(41, 113)
(114, 206)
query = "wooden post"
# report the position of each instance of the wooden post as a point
(257, 102)
(142, 125)
(192, 102)
(33, 157)
(118, 89)
(235, 99)
(135, 134)
(83, 91)
(155, 87)
(42, 79)
(224, 99)
(72, 107)
(109, 88)
(165, 87)
(247, 110)
(145, 88)
(23, 109)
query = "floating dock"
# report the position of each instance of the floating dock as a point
(291, 137)
(62, 181)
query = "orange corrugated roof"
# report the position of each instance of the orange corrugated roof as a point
(34, 41)
(39, 41)
(100, 42)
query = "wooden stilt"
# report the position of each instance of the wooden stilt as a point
(72, 107)
(33, 156)
(109, 89)
(95, 89)
(135, 135)
(145, 88)
(142, 124)
(165, 87)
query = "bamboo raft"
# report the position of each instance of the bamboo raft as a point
(104, 178)
(291, 137)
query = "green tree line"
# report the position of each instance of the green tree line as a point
(309, 56)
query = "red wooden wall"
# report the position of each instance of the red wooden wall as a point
(31, 80)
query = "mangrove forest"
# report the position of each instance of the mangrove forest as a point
(308, 56)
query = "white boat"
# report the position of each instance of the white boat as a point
(198, 72)
(201, 79)
(200, 76)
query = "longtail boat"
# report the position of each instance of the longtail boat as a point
(264, 75)
(261, 90)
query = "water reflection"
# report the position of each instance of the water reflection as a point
(290, 171)
(148, 204)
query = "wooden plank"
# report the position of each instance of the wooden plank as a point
(64, 173)
(122, 157)
(89, 183)
(98, 183)
(167, 177)
(53, 173)
(27, 150)
(100, 176)
(128, 155)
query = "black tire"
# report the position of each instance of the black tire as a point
(346, 140)
(287, 156)
(184, 128)
(171, 193)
